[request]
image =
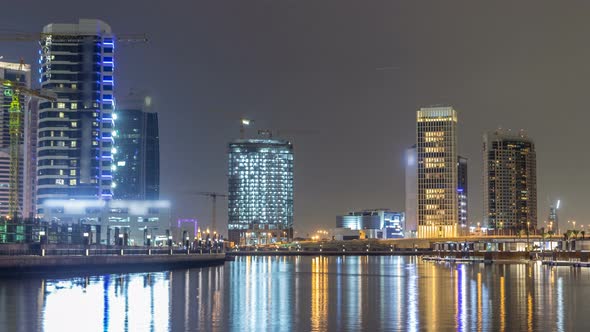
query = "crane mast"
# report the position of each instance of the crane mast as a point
(14, 131)
(14, 90)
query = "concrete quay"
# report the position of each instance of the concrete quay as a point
(30, 264)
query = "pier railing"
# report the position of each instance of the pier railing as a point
(80, 250)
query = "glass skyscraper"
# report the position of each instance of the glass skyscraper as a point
(260, 198)
(437, 172)
(76, 133)
(510, 182)
(137, 152)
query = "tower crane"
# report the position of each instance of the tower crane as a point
(7, 36)
(14, 91)
(213, 196)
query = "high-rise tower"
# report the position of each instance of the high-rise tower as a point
(137, 157)
(510, 181)
(411, 224)
(437, 172)
(260, 198)
(462, 196)
(76, 133)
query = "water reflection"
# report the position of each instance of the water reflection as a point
(308, 294)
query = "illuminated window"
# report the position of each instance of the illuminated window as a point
(61, 114)
(73, 144)
(434, 149)
(434, 162)
(61, 105)
(59, 181)
(74, 106)
(72, 182)
(72, 172)
(74, 124)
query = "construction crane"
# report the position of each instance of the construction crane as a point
(14, 91)
(38, 36)
(214, 206)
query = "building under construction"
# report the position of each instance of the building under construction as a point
(260, 198)
(27, 136)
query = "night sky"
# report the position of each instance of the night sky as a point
(343, 80)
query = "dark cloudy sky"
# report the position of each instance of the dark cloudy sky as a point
(310, 68)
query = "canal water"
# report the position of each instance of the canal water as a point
(388, 293)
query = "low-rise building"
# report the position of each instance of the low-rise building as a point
(376, 224)
(107, 220)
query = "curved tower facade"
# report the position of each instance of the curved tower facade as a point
(76, 133)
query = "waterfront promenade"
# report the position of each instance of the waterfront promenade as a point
(35, 259)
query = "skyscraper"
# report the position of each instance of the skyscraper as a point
(510, 181)
(76, 132)
(462, 195)
(260, 201)
(411, 224)
(437, 172)
(14, 72)
(553, 220)
(137, 157)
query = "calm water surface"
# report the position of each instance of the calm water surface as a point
(307, 294)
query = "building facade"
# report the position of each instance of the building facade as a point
(76, 133)
(16, 72)
(376, 224)
(462, 196)
(510, 181)
(137, 152)
(106, 220)
(260, 200)
(436, 151)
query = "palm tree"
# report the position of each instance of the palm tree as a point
(583, 234)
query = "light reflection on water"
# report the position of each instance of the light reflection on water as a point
(306, 294)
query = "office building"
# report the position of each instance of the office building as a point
(510, 181)
(76, 134)
(462, 196)
(16, 72)
(260, 202)
(437, 172)
(137, 150)
(411, 224)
